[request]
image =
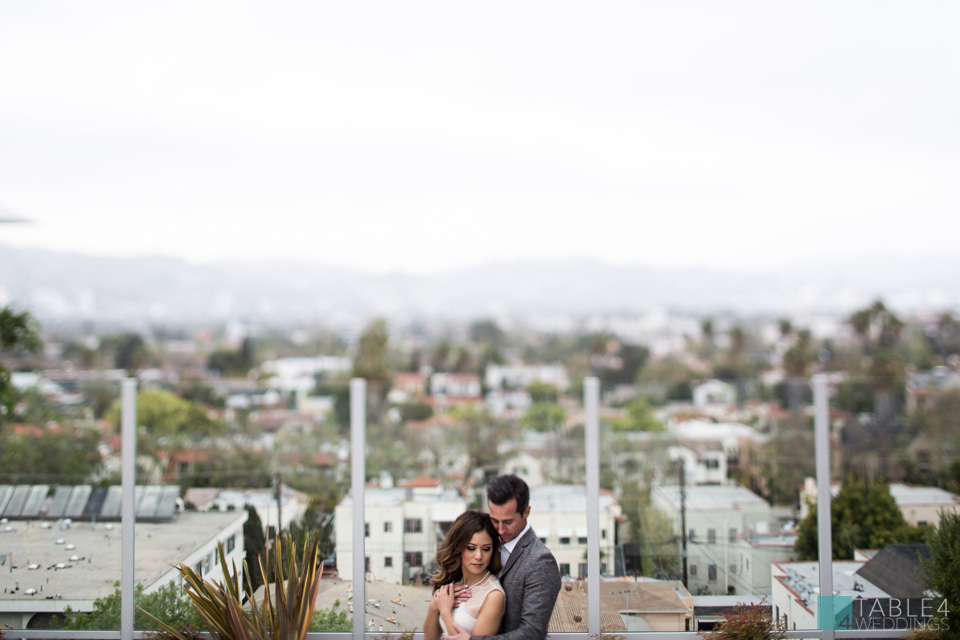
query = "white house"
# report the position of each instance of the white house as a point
(754, 553)
(923, 505)
(402, 528)
(715, 517)
(519, 376)
(714, 392)
(704, 461)
(558, 516)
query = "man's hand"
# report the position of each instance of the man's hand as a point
(461, 633)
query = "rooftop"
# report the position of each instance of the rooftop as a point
(910, 494)
(565, 498)
(78, 562)
(709, 497)
(803, 578)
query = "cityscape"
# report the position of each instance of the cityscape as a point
(291, 295)
(707, 475)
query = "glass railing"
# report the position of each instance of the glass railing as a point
(702, 505)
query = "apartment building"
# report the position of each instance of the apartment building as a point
(402, 527)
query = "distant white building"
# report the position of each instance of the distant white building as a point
(558, 515)
(715, 517)
(753, 554)
(300, 375)
(704, 462)
(519, 376)
(714, 392)
(49, 565)
(457, 385)
(402, 528)
(291, 507)
(923, 505)
(919, 505)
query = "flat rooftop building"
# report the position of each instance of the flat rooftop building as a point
(47, 565)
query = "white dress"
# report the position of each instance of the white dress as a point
(466, 614)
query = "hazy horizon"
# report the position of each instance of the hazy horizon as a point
(434, 136)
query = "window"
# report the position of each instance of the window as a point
(412, 525)
(713, 464)
(692, 570)
(565, 569)
(565, 540)
(733, 568)
(231, 543)
(366, 529)
(732, 534)
(692, 534)
(582, 540)
(603, 533)
(413, 558)
(712, 573)
(388, 561)
(387, 527)
(582, 569)
(711, 536)
(366, 564)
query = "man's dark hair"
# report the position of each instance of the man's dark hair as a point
(503, 488)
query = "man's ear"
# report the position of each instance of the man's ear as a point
(526, 512)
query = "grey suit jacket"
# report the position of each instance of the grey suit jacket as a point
(531, 583)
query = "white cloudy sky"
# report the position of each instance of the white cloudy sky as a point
(419, 135)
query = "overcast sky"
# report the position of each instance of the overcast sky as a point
(417, 136)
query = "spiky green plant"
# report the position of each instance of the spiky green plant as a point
(285, 616)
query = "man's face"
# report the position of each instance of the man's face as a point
(507, 520)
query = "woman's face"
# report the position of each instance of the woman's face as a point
(475, 558)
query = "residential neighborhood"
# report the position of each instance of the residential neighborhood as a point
(707, 476)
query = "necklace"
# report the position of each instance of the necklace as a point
(485, 577)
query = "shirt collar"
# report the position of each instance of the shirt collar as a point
(510, 546)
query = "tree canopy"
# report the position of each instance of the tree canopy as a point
(166, 419)
(18, 332)
(941, 571)
(169, 603)
(862, 517)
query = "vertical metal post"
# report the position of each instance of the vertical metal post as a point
(358, 435)
(128, 475)
(821, 432)
(591, 405)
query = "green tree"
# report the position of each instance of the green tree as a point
(254, 546)
(132, 353)
(639, 417)
(543, 416)
(941, 572)
(169, 603)
(67, 456)
(542, 392)
(168, 420)
(332, 619)
(372, 362)
(18, 332)
(796, 363)
(861, 517)
(476, 437)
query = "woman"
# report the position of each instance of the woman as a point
(470, 554)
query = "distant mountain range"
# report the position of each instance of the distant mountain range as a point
(76, 288)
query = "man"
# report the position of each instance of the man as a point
(530, 576)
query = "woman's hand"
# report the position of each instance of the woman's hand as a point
(444, 598)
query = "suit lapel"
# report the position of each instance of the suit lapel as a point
(517, 551)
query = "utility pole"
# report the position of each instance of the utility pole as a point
(683, 522)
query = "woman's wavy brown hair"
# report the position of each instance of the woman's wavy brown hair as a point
(459, 536)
